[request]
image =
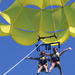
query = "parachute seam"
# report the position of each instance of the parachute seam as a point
(17, 15)
(54, 28)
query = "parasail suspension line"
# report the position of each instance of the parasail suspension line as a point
(21, 60)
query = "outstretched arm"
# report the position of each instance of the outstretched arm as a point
(65, 50)
(32, 58)
(48, 59)
(47, 54)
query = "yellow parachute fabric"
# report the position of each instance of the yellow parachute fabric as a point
(54, 21)
(70, 15)
(13, 11)
(43, 3)
(20, 19)
(28, 23)
(10, 16)
(5, 29)
(25, 28)
(28, 26)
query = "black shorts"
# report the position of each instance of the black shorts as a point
(42, 64)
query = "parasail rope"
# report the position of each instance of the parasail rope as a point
(21, 60)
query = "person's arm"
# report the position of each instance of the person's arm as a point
(65, 50)
(47, 54)
(32, 58)
(48, 59)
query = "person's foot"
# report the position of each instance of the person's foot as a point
(49, 70)
(37, 73)
(46, 72)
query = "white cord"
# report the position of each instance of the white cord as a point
(21, 60)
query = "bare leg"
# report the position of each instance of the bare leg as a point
(46, 67)
(39, 69)
(51, 68)
(59, 67)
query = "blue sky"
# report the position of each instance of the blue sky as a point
(12, 52)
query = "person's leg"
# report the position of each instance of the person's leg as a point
(46, 67)
(52, 66)
(59, 67)
(39, 69)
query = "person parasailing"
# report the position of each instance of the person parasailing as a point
(42, 62)
(55, 59)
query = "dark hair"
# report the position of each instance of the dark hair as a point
(42, 53)
(54, 49)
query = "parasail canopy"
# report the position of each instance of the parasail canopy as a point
(27, 23)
